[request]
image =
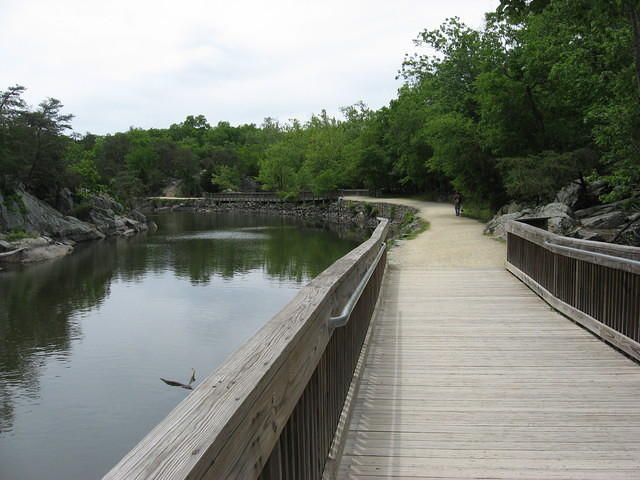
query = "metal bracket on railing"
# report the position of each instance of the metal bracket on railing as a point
(555, 246)
(342, 319)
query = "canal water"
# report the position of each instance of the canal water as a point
(85, 339)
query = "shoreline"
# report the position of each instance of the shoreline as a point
(361, 213)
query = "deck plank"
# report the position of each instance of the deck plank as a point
(470, 375)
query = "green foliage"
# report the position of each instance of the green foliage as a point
(422, 226)
(32, 143)
(538, 178)
(514, 107)
(458, 154)
(226, 178)
(547, 92)
(478, 210)
(371, 210)
(82, 170)
(14, 203)
(407, 219)
(12, 108)
(18, 234)
(280, 166)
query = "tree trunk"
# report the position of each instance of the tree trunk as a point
(537, 114)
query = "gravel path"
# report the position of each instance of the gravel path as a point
(450, 242)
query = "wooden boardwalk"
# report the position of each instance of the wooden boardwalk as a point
(470, 375)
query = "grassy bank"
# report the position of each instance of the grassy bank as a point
(477, 211)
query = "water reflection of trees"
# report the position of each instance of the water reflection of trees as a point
(289, 250)
(286, 254)
(38, 304)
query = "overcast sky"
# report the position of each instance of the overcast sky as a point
(150, 63)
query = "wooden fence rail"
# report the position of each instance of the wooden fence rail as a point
(358, 192)
(596, 284)
(270, 197)
(271, 410)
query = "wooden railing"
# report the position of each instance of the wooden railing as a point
(357, 192)
(270, 197)
(595, 284)
(272, 409)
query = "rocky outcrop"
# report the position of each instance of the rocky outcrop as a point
(580, 194)
(107, 215)
(52, 233)
(174, 189)
(560, 219)
(24, 212)
(65, 201)
(31, 250)
(605, 220)
(497, 226)
(576, 214)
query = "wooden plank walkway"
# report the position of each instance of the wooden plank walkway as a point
(470, 375)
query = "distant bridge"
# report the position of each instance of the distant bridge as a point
(269, 197)
(455, 371)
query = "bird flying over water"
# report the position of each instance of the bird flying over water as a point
(188, 386)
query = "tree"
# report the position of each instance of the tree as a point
(226, 178)
(12, 108)
(537, 178)
(81, 169)
(280, 165)
(458, 153)
(42, 146)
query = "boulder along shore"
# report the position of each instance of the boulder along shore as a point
(576, 212)
(33, 231)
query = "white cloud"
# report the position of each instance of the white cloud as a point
(150, 63)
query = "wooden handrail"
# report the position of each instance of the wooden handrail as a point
(271, 409)
(614, 261)
(269, 197)
(342, 319)
(595, 284)
(359, 192)
(539, 236)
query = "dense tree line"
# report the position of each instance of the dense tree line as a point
(547, 92)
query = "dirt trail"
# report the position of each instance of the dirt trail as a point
(450, 242)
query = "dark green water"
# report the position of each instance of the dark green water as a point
(84, 339)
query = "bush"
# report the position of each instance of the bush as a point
(14, 235)
(371, 210)
(537, 178)
(15, 204)
(477, 211)
(407, 219)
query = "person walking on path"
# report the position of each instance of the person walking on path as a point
(457, 203)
